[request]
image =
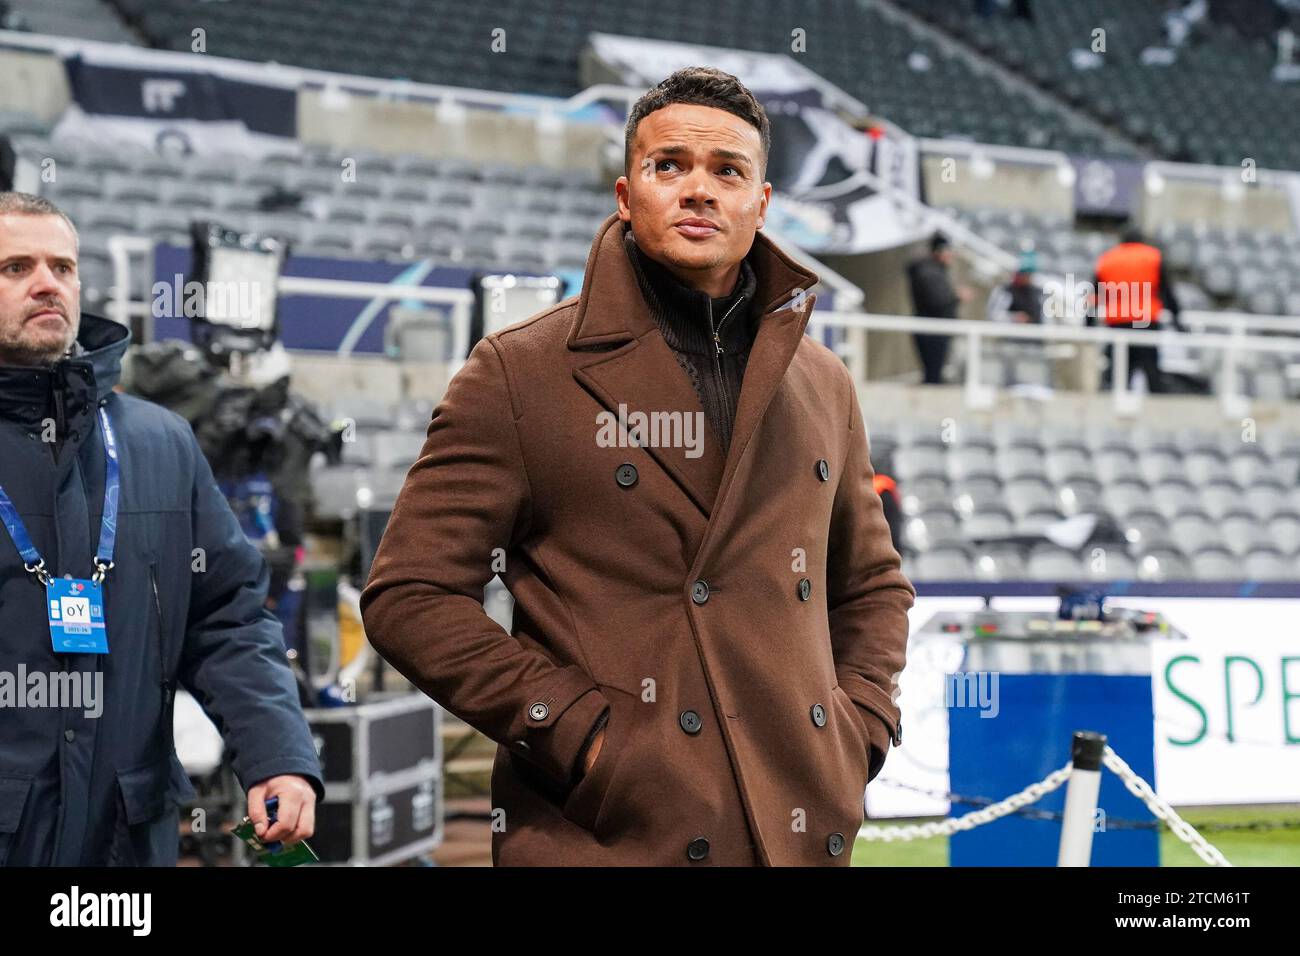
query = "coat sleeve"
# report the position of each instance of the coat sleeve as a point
(868, 595)
(233, 660)
(465, 497)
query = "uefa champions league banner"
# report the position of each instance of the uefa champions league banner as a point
(834, 186)
(173, 105)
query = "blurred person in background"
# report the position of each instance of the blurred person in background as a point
(1020, 299)
(934, 297)
(1132, 289)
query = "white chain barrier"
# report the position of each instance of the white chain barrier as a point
(920, 831)
(1035, 792)
(1180, 827)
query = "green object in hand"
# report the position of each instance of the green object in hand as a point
(274, 854)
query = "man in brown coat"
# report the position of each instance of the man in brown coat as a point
(709, 615)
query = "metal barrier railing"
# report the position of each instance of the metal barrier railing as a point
(975, 333)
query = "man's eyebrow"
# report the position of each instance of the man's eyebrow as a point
(24, 257)
(677, 150)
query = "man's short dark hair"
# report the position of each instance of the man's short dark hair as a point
(939, 242)
(699, 86)
(25, 204)
(1132, 233)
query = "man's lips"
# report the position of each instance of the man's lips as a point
(46, 314)
(696, 228)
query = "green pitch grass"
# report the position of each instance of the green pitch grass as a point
(1279, 847)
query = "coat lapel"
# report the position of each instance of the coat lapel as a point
(640, 372)
(643, 376)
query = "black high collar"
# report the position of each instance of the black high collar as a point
(686, 315)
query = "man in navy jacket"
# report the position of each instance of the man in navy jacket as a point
(88, 771)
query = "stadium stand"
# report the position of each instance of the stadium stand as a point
(936, 93)
(1211, 99)
(409, 206)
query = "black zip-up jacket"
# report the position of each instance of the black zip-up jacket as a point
(710, 337)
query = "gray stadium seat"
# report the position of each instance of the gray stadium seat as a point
(1163, 565)
(1241, 533)
(945, 564)
(1122, 498)
(926, 531)
(1219, 498)
(1218, 564)
(1268, 564)
(1080, 496)
(1050, 563)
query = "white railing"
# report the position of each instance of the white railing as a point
(1247, 322)
(976, 333)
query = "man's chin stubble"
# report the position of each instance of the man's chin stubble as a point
(11, 354)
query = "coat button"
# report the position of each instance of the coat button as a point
(835, 843)
(805, 589)
(538, 711)
(625, 474)
(819, 715)
(699, 592)
(690, 722)
(69, 735)
(823, 469)
(698, 849)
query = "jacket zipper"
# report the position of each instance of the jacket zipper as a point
(717, 342)
(60, 417)
(717, 332)
(162, 658)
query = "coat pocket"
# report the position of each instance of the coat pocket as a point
(13, 798)
(849, 715)
(143, 794)
(588, 797)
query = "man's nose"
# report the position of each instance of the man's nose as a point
(698, 190)
(45, 282)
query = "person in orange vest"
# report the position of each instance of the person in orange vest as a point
(1132, 288)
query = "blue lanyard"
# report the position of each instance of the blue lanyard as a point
(32, 559)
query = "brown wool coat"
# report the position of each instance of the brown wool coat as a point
(745, 689)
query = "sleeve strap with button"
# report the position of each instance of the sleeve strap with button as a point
(466, 496)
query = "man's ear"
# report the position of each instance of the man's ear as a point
(621, 194)
(763, 200)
